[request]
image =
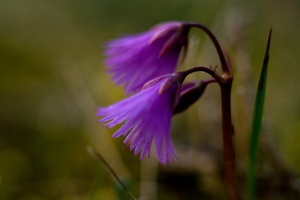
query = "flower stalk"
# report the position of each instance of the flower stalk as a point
(228, 144)
(225, 82)
(146, 65)
(225, 67)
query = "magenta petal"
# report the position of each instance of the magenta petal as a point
(136, 59)
(147, 117)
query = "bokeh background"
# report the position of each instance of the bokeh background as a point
(52, 79)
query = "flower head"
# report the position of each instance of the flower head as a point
(136, 59)
(147, 117)
(190, 92)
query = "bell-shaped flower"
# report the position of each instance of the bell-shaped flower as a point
(134, 60)
(146, 117)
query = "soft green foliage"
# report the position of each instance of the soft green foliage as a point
(257, 121)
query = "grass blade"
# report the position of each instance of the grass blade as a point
(101, 159)
(256, 123)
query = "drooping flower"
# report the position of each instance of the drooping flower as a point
(136, 59)
(190, 92)
(146, 117)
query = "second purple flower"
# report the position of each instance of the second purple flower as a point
(146, 117)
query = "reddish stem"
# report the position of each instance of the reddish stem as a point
(225, 82)
(228, 144)
(216, 43)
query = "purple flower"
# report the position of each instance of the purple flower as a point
(190, 92)
(147, 117)
(136, 59)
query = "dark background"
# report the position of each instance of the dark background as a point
(52, 79)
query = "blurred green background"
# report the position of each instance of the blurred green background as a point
(52, 79)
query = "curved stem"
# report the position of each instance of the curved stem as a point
(226, 69)
(225, 82)
(207, 70)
